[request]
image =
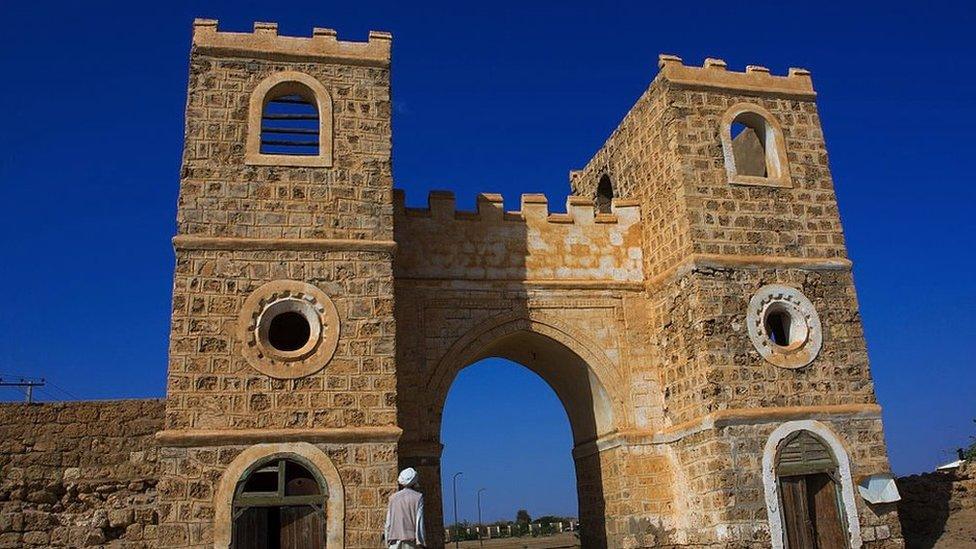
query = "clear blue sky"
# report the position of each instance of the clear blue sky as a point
(503, 97)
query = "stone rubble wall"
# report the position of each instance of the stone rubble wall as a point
(939, 508)
(79, 474)
(439, 242)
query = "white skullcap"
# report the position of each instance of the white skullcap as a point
(407, 477)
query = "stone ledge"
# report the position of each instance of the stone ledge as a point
(528, 284)
(195, 242)
(230, 437)
(719, 419)
(720, 261)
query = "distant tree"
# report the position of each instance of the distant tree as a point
(969, 454)
(522, 517)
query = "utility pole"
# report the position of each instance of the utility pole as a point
(481, 542)
(24, 383)
(457, 527)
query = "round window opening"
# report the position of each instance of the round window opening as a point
(290, 329)
(784, 326)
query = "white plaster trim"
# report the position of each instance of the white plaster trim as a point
(803, 315)
(303, 452)
(771, 487)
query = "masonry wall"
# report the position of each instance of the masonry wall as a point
(714, 366)
(242, 224)
(79, 474)
(211, 385)
(938, 509)
(529, 244)
(221, 195)
(709, 245)
(728, 508)
(643, 162)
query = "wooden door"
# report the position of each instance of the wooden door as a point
(796, 513)
(302, 527)
(251, 529)
(825, 511)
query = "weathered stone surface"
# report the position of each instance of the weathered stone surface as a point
(636, 318)
(79, 474)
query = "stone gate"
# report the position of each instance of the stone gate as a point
(693, 308)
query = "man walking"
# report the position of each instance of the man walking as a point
(405, 516)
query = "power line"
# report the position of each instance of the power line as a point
(25, 384)
(65, 391)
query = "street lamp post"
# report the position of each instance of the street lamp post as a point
(457, 534)
(481, 542)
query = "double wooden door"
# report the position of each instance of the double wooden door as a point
(812, 512)
(285, 527)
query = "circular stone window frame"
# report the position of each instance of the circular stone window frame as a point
(806, 330)
(282, 296)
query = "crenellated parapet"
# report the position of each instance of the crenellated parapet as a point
(265, 42)
(714, 73)
(531, 243)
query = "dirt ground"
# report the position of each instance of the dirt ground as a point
(959, 532)
(567, 539)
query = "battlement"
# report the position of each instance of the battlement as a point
(533, 207)
(714, 73)
(531, 244)
(265, 43)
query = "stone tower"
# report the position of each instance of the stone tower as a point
(693, 308)
(284, 265)
(753, 320)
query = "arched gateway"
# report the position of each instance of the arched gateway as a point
(555, 353)
(319, 320)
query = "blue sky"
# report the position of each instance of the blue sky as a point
(501, 97)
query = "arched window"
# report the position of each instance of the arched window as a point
(810, 493)
(753, 146)
(279, 503)
(604, 194)
(290, 122)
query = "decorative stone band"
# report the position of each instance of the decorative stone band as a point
(195, 242)
(264, 42)
(719, 261)
(715, 74)
(521, 283)
(232, 437)
(723, 418)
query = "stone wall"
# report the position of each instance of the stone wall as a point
(211, 385)
(530, 244)
(939, 509)
(221, 195)
(79, 474)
